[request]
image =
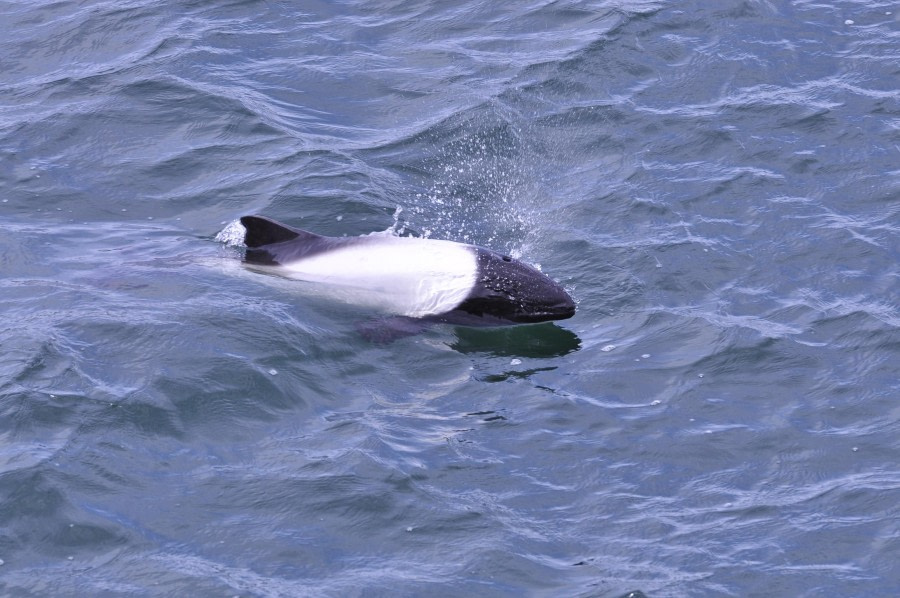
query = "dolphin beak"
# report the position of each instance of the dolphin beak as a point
(562, 309)
(565, 309)
(569, 308)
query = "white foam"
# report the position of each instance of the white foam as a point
(233, 234)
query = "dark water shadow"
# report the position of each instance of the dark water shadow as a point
(534, 341)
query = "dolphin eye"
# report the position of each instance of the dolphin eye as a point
(506, 258)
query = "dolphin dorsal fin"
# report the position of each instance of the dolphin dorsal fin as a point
(262, 231)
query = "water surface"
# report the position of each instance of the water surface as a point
(716, 183)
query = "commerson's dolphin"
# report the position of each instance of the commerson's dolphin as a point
(410, 277)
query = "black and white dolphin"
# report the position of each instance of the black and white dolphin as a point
(423, 279)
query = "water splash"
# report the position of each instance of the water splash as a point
(397, 228)
(482, 183)
(232, 235)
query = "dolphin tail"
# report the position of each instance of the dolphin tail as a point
(262, 231)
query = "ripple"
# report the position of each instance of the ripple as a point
(715, 184)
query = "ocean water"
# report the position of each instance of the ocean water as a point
(716, 182)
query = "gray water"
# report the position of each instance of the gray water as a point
(716, 182)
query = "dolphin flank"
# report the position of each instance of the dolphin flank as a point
(426, 279)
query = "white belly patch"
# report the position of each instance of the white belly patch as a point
(399, 275)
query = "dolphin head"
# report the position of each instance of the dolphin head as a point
(509, 290)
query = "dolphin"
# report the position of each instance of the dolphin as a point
(412, 278)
